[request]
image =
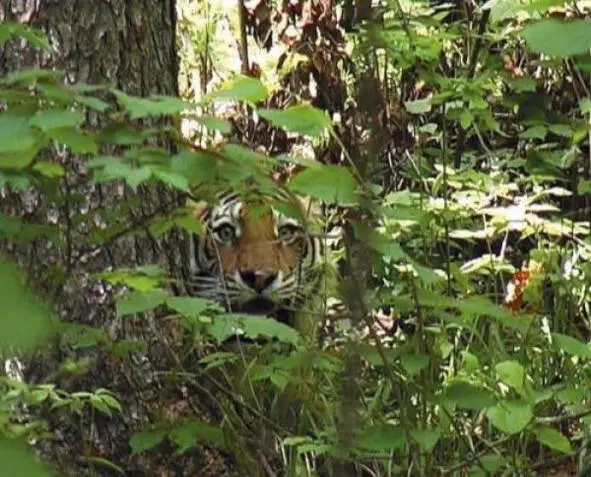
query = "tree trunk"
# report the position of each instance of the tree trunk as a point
(129, 44)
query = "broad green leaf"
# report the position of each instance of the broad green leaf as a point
(552, 438)
(512, 374)
(535, 132)
(136, 176)
(190, 306)
(414, 363)
(301, 119)
(190, 224)
(510, 417)
(241, 88)
(138, 302)
(381, 438)
(176, 181)
(506, 9)
(49, 169)
(56, 119)
(467, 396)
(558, 38)
(247, 157)
(419, 106)
(570, 345)
(197, 166)
(30, 75)
(213, 123)
(92, 103)
(24, 321)
(153, 106)
(252, 326)
(386, 246)
(80, 142)
(332, 184)
(16, 134)
(35, 37)
(145, 440)
(19, 460)
(585, 105)
(427, 439)
(193, 431)
(584, 187)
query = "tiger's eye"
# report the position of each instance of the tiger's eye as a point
(225, 233)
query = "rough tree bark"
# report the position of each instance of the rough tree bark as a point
(129, 44)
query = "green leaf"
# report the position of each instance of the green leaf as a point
(16, 135)
(510, 417)
(381, 438)
(241, 88)
(22, 462)
(49, 169)
(138, 302)
(535, 132)
(512, 374)
(419, 106)
(213, 123)
(195, 166)
(557, 38)
(252, 326)
(466, 118)
(193, 431)
(134, 177)
(414, 363)
(176, 181)
(146, 440)
(189, 224)
(24, 322)
(467, 396)
(570, 345)
(190, 306)
(153, 106)
(30, 76)
(385, 245)
(80, 142)
(585, 105)
(553, 439)
(49, 119)
(331, 184)
(301, 119)
(427, 439)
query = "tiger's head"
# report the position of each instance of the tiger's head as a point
(254, 259)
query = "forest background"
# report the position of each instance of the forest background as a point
(452, 142)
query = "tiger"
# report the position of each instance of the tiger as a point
(253, 258)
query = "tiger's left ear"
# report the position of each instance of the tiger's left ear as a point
(198, 209)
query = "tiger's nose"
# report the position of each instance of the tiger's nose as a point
(257, 280)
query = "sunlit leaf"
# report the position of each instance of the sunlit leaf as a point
(138, 302)
(553, 439)
(331, 184)
(510, 417)
(559, 38)
(241, 88)
(56, 119)
(301, 119)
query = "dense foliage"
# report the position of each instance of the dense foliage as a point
(453, 146)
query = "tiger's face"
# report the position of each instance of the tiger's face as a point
(254, 259)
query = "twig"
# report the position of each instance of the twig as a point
(469, 77)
